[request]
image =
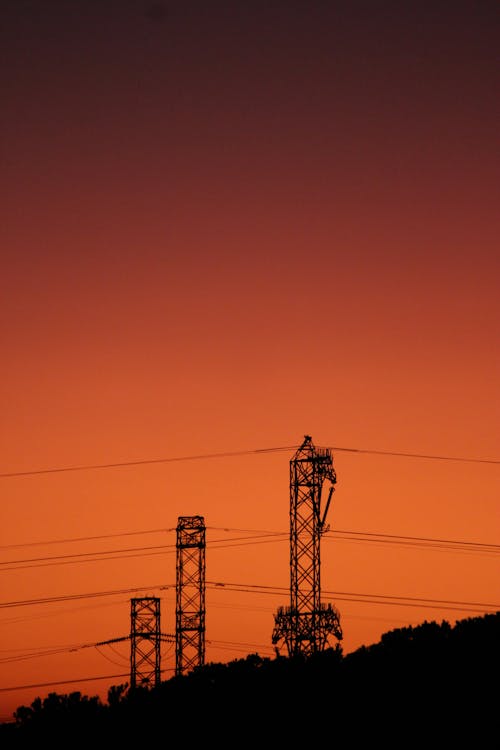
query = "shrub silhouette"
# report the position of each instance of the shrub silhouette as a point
(432, 685)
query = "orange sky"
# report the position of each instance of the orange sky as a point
(223, 228)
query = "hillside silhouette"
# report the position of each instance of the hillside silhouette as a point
(432, 685)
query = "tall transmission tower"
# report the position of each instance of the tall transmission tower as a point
(145, 640)
(306, 624)
(190, 594)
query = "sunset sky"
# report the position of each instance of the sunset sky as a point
(223, 226)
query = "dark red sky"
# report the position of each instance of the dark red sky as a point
(224, 226)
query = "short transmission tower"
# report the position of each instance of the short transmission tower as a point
(190, 594)
(306, 624)
(145, 640)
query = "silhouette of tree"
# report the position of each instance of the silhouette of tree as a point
(428, 686)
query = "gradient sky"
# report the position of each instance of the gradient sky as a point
(224, 226)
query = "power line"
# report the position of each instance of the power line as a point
(417, 542)
(60, 650)
(418, 455)
(93, 595)
(226, 454)
(255, 538)
(64, 682)
(85, 538)
(247, 588)
(371, 598)
(166, 638)
(230, 645)
(221, 542)
(87, 560)
(347, 596)
(231, 454)
(84, 557)
(417, 538)
(95, 537)
(87, 554)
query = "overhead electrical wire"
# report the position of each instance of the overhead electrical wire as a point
(107, 677)
(432, 457)
(417, 538)
(70, 559)
(93, 595)
(269, 536)
(250, 588)
(89, 559)
(64, 682)
(33, 654)
(232, 646)
(255, 534)
(140, 462)
(85, 538)
(255, 588)
(373, 598)
(86, 554)
(256, 538)
(231, 454)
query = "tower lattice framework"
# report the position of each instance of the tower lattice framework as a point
(145, 637)
(306, 625)
(190, 594)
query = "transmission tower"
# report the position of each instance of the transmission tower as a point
(190, 594)
(306, 624)
(145, 639)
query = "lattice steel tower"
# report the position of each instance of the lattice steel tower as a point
(145, 642)
(190, 594)
(306, 624)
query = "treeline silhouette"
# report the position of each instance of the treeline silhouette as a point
(432, 685)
